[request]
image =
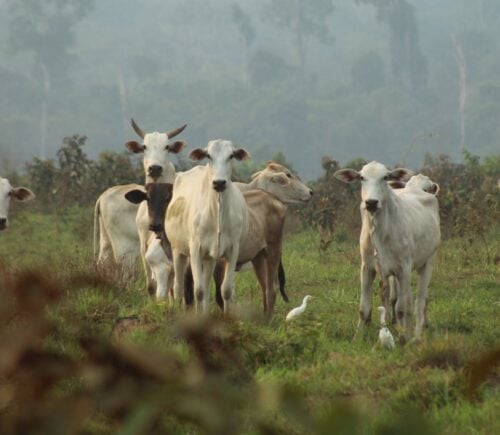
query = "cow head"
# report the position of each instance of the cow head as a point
(421, 181)
(156, 149)
(158, 196)
(220, 154)
(374, 177)
(282, 183)
(7, 192)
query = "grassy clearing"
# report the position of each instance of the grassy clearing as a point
(354, 387)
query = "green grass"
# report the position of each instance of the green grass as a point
(354, 387)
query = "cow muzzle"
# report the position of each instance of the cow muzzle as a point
(3, 223)
(155, 171)
(371, 205)
(219, 185)
(155, 227)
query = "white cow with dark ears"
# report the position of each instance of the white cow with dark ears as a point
(400, 233)
(205, 221)
(115, 217)
(7, 192)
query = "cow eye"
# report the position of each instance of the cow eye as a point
(362, 178)
(209, 157)
(231, 157)
(386, 177)
(289, 175)
(144, 147)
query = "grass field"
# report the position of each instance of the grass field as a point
(302, 377)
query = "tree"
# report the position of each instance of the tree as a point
(409, 66)
(45, 30)
(303, 20)
(368, 72)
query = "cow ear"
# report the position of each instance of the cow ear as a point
(396, 184)
(198, 154)
(241, 154)
(347, 175)
(400, 174)
(134, 147)
(176, 147)
(281, 179)
(433, 189)
(22, 194)
(136, 196)
(273, 166)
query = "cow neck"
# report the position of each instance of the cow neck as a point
(255, 184)
(381, 224)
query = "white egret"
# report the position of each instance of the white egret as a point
(385, 337)
(298, 310)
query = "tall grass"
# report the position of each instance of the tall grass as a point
(100, 356)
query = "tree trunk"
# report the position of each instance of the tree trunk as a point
(462, 82)
(45, 112)
(123, 100)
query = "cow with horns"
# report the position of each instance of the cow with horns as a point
(115, 217)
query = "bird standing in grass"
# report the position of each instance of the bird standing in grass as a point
(298, 310)
(385, 337)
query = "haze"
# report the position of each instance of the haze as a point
(389, 80)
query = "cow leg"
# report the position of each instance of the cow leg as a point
(208, 267)
(260, 268)
(404, 304)
(188, 288)
(393, 297)
(197, 271)
(229, 277)
(218, 277)
(421, 303)
(106, 258)
(273, 262)
(367, 276)
(180, 264)
(282, 281)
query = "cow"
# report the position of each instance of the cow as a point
(266, 220)
(158, 253)
(399, 233)
(418, 182)
(282, 184)
(7, 192)
(205, 220)
(115, 217)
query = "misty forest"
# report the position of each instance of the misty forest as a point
(318, 86)
(391, 80)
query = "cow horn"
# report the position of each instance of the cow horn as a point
(137, 129)
(176, 131)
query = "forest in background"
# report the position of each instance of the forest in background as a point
(391, 80)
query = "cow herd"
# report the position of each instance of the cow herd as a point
(194, 226)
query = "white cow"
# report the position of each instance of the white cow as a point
(418, 182)
(205, 220)
(400, 233)
(7, 192)
(115, 217)
(276, 179)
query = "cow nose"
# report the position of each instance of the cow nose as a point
(155, 171)
(219, 185)
(3, 223)
(156, 227)
(371, 205)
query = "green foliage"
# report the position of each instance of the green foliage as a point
(76, 179)
(81, 353)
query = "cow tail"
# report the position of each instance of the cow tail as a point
(97, 213)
